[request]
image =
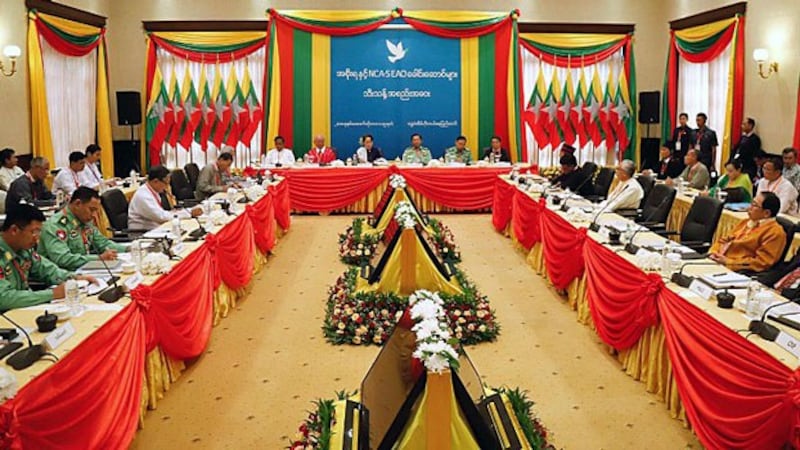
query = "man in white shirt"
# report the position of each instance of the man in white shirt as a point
(773, 181)
(69, 179)
(145, 211)
(91, 176)
(10, 171)
(279, 156)
(628, 193)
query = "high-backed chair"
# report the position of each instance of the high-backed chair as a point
(657, 206)
(700, 225)
(647, 183)
(589, 168)
(192, 173)
(115, 206)
(602, 183)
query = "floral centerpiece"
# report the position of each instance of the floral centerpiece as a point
(405, 214)
(365, 318)
(550, 172)
(397, 181)
(443, 242)
(355, 246)
(434, 347)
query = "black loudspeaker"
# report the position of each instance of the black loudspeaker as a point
(129, 108)
(126, 157)
(650, 107)
(650, 156)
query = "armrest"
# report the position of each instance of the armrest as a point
(654, 226)
(668, 233)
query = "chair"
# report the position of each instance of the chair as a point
(700, 225)
(589, 168)
(657, 206)
(181, 189)
(116, 207)
(602, 184)
(789, 227)
(647, 183)
(779, 269)
(192, 173)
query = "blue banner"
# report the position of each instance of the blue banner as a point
(392, 83)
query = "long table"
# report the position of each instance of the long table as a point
(124, 356)
(357, 190)
(734, 392)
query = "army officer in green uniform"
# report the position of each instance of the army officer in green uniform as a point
(458, 153)
(69, 238)
(416, 154)
(19, 261)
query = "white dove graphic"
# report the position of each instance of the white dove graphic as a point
(397, 51)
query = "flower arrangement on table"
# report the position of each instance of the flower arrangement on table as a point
(434, 340)
(366, 318)
(315, 431)
(550, 172)
(405, 214)
(397, 181)
(255, 192)
(443, 241)
(355, 246)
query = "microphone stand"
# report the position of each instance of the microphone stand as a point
(199, 232)
(632, 248)
(114, 292)
(685, 280)
(594, 226)
(564, 207)
(24, 357)
(762, 328)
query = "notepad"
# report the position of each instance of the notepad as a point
(725, 280)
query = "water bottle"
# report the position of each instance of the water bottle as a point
(176, 228)
(73, 297)
(133, 177)
(751, 305)
(136, 255)
(666, 264)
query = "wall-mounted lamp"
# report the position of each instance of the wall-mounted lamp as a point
(12, 52)
(761, 56)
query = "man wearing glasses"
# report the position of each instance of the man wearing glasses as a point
(775, 183)
(756, 243)
(145, 211)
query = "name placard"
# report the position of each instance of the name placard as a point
(703, 290)
(59, 336)
(134, 280)
(789, 343)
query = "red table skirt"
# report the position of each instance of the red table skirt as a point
(735, 394)
(92, 397)
(326, 189)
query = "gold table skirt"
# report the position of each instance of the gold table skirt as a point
(647, 361)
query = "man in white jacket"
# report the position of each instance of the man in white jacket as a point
(145, 211)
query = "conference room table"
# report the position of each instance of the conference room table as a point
(123, 356)
(358, 189)
(734, 390)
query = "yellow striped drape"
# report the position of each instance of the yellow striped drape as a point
(469, 94)
(211, 37)
(334, 16)
(41, 139)
(274, 92)
(572, 40)
(454, 16)
(702, 32)
(321, 84)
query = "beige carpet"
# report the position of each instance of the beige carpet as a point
(268, 360)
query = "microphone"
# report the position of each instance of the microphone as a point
(632, 248)
(199, 232)
(564, 206)
(594, 226)
(25, 357)
(685, 280)
(762, 328)
(114, 292)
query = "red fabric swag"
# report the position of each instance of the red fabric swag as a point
(526, 219)
(63, 46)
(458, 33)
(710, 53)
(179, 319)
(468, 189)
(502, 204)
(262, 216)
(562, 247)
(90, 399)
(735, 394)
(563, 61)
(282, 20)
(209, 57)
(282, 204)
(235, 249)
(328, 189)
(621, 309)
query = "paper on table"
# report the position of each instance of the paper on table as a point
(725, 279)
(785, 310)
(94, 289)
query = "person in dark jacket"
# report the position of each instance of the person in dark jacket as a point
(572, 177)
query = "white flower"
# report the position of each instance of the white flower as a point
(426, 310)
(155, 263)
(397, 181)
(255, 192)
(436, 356)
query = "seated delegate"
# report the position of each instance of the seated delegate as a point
(756, 243)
